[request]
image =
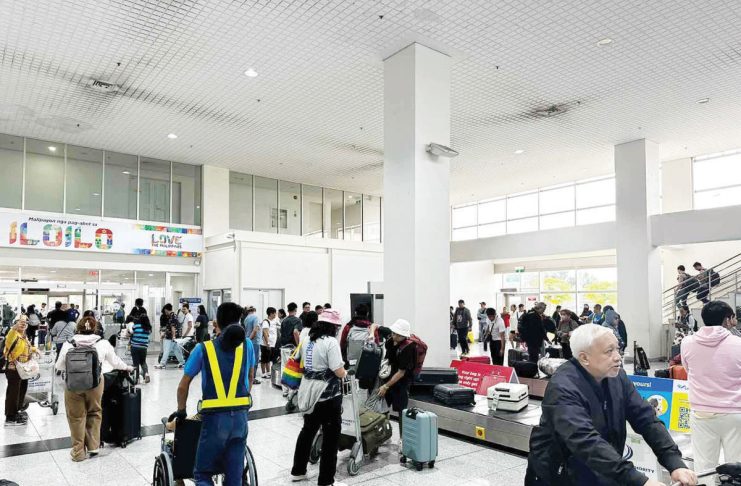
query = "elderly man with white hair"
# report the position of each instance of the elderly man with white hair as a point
(582, 431)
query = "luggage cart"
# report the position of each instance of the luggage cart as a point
(350, 434)
(42, 388)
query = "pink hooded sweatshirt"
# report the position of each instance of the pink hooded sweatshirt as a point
(712, 357)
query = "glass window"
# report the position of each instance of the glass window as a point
(240, 201)
(11, 161)
(267, 217)
(493, 229)
(522, 225)
(597, 279)
(567, 300)
(312, 211)
(717, 172)
(511, 280)
(492, 211)
(84, 180)
(44, 176)
(558, 281)
(591, 298)
(595, 193)
(154, 190)
(530, 281)
(121, 181)
(595, 215)
(715, 198)
(290, 202)
(353, 216)
(465, 234)
(556, 200)
(186, 194)
(333, 209)
(558, 220)
(522, 206)
(464, 216)
(372, 219)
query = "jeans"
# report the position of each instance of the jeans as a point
(328, 416)
(221, 448)
(42, 338)
(139, 357)
(169, 347)
(463, 339)
(482, 331)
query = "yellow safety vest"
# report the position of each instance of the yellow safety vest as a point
(223, 400)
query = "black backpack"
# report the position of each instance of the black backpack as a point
(714, 278)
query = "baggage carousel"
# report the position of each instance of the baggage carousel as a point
(500, 428)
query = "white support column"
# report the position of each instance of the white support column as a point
(215, 201)
(416, 196)
(638, 262)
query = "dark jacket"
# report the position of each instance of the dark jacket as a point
(531, 328)
(582, 428)
(462, 318)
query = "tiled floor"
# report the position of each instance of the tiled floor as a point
(271, 440)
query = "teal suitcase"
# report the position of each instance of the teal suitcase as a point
(419, 437)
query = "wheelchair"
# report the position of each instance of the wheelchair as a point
(177, 457)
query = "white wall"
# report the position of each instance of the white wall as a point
(699, 226)
(218, 268)
(708, 254)
(351, 272)
(215, 205)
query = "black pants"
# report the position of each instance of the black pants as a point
(567, 354)
(16, 393)
(328, 416)
(463, 339)
(495, 347)
(139, 357)
(533, 351)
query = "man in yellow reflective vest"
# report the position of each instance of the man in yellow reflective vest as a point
(228, 366)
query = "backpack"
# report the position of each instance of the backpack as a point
(83, 368)
(714, 278)
(420, 351)
(356, 339)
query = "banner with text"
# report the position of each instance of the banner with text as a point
(95, 235)
(480, 376)
(670, 399)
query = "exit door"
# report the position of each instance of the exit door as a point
(261, 299)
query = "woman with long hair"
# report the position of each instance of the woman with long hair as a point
(201, 324)
(320, 397)
(140, 331)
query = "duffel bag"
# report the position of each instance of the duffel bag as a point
(525, 369)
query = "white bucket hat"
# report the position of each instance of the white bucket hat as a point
(402, 328)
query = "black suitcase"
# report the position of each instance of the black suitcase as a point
(369, 362)
(454, 395)
(516, 355)
(554, 351)
(453, 340)
(426, 380)
(122, 409)
(525, 369)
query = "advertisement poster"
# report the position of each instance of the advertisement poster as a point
(480, 376)
(96, 235)
(658, 392)
(680, 418)
(641, 455)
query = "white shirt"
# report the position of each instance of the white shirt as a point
(189, 321)
(272, 327)
(496, 327)
(107, 356)
(322, 354)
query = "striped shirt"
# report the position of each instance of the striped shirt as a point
(139, 338)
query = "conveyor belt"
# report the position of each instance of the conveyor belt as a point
(507, 429)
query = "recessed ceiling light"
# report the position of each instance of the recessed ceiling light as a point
(250, 73)
(96, 194)
(519, 151)
(53, 271)
(77, 209)
(151, 275)
(126, 172)
(702, 101)
(604, 42)
(172, 136)
(52, 149)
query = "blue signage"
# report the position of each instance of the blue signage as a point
(190, 300)
(657, 392)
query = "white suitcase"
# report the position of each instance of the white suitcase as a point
(510, 397)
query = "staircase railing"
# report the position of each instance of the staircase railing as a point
(695, 291)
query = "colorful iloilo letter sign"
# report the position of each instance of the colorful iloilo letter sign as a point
(96, 235)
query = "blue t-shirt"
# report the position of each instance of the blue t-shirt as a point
(197, 360)
(249, 324)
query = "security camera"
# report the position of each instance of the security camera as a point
(441, 150)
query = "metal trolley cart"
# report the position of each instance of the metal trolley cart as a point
(350, 435)
(42, 388)
(178, 455)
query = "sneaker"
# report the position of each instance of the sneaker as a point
(146, 379)
(300, 477)
(285, 394)
(181, 366)
(93, 453)
(23, 414)
(256, 381)
(159, 367)
(14, 421)
(265, 376)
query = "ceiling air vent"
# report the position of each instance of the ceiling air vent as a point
(103, 87)
(549, 111)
